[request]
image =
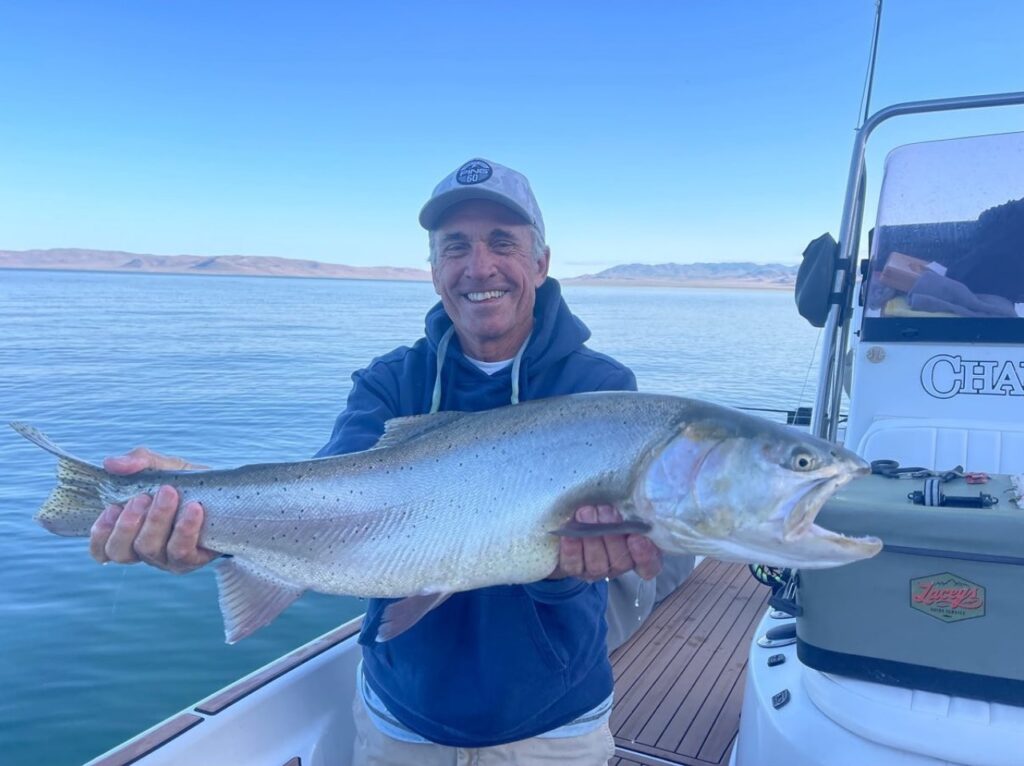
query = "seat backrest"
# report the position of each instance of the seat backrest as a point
(990, 447)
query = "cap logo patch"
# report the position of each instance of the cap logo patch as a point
(473, 172)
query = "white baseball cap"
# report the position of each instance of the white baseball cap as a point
(483, 179)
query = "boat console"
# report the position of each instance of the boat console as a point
(912, 658)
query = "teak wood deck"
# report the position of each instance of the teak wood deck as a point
(679, 679)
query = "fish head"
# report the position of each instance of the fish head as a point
(740, 488)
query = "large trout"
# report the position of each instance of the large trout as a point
(455, 501)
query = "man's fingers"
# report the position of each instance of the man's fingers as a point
(570, 557)
(183, 551)
(619, 558)
(594, 558)
(120, 545)
(646, 556)
(151, 543)
(171, 463)
(125, 464)
(595, 554)
(101, 531)
(140, 459)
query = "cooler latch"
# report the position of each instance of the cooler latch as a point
(932, 494)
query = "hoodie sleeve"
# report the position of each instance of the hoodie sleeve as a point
(622, 379)
(361, 423)
(592, 371)
(554, 591)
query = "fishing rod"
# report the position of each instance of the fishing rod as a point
(869, 80)
(824, 420)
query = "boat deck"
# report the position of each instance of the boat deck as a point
(679, 679)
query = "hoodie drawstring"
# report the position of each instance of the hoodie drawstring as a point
(442, 352)
(516, 362)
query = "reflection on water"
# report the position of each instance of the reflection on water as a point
(230, 370)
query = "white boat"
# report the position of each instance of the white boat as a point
(927, 388)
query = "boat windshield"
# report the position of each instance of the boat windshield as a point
(947, 250)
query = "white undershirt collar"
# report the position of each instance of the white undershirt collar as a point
(490, 367)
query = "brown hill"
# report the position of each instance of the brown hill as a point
(231, 265)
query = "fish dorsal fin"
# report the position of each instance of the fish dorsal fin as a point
(401, 430)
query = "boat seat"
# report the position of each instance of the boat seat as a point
(982, 446)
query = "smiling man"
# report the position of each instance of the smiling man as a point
(509, 674)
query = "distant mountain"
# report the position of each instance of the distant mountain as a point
(679, 274)
(726, 274)
(228, 265)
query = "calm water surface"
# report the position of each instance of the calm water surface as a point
(226, 371)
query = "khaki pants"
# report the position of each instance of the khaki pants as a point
(374, 748)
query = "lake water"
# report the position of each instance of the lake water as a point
(225, 371)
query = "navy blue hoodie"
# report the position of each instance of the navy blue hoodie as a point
(508, 662)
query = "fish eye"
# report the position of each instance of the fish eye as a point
(802, 461)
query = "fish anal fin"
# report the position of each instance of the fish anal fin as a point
(402, 615)
(573, 528)
(401, 430)
(250, 597)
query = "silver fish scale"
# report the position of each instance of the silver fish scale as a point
(469, 504)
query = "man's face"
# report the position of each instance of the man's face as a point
(487, 277)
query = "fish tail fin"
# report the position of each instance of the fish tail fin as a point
(78, 498)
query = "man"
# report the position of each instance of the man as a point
(507, 674)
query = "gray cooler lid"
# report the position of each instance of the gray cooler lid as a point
(876, 505)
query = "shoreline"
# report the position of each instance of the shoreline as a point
(728, 284)
(168, 273)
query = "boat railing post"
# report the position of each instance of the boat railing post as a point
(824, 418)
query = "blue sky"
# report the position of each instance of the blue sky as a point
(651, 131)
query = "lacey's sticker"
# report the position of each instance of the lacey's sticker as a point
(947, 597)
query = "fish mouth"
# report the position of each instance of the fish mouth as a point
(808, 503)
(799, 514)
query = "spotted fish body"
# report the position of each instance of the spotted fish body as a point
(456, 501)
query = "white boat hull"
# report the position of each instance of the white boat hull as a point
(298, 707)
(833, 721)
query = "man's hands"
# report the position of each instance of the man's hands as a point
(150, 529)
(595, 558)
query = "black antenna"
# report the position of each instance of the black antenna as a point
(870, 79)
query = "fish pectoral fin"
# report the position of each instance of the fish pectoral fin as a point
(402, 615)
(573, 528)
(250, 597)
